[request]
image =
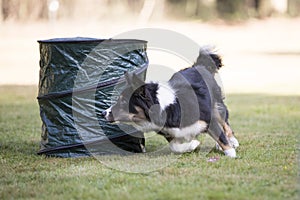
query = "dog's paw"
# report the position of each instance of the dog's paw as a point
(218, 147)
(230, 153)
(233, 142)
(178, 147)
(194, 144)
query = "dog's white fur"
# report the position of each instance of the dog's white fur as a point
(178, 147)
(187, 133)
(165, 95)
(184, 138)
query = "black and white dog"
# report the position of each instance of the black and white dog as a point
(190, 103)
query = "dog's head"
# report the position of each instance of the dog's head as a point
(134, 103)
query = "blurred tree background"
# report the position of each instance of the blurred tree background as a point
(28, 10)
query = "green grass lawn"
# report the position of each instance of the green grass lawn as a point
(267, 168)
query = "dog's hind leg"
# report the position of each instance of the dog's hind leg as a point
(233, 142)
(225, 145)
(230, 135)
(223, 120)
(179, 145)
(216, 132)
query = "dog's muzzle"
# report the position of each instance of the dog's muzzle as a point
(107, 114)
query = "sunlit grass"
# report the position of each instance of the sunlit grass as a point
(266, 126)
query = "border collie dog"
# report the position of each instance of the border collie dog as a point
(190, 103)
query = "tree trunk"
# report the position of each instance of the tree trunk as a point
(1, 13)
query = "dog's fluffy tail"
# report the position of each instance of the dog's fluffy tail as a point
(209, 58)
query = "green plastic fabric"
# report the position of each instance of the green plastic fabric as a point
(79, 78)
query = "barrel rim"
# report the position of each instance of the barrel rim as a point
(88, 40)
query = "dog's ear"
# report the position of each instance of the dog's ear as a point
(141, 92)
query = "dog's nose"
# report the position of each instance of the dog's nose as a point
(104, 113)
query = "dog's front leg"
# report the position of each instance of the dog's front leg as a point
(217, 133)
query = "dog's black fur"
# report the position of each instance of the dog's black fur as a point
(194, 97)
